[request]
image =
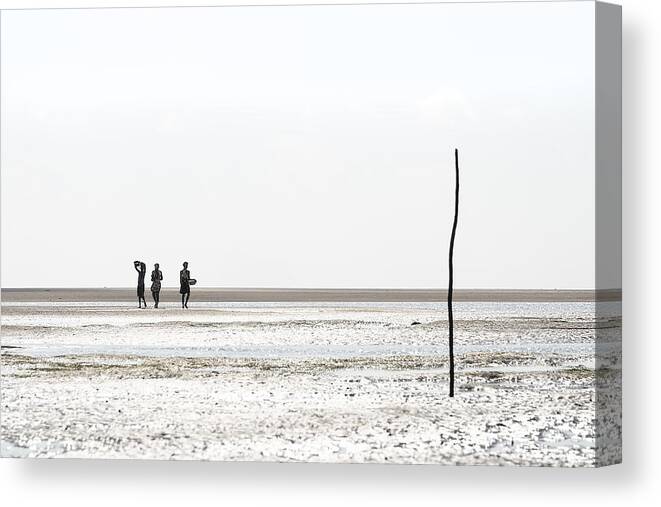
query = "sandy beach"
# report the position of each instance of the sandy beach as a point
(309, 381)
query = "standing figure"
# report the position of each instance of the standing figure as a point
(156, 277)
(141, 268)
(184, 282)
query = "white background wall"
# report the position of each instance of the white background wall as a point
(101, 483)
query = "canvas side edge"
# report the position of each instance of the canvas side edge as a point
(608, 233)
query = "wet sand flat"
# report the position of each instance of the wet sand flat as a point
(329, 382)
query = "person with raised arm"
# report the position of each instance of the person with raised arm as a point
(141, 268)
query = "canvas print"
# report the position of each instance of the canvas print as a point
(320, 233)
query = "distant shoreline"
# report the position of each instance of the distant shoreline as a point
(268, 295)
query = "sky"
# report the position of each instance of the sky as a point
(299, 146)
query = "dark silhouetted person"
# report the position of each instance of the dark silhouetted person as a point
(141, 268)
(156, 277)
(184, 282)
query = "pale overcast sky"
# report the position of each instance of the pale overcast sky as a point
(299, 146)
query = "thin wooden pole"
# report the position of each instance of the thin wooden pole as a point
(451, 277)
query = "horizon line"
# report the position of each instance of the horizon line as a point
(334, 289)
(310, 295)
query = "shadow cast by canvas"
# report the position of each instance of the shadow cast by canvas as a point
(432, 477)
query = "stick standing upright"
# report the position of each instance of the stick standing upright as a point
(450, 278)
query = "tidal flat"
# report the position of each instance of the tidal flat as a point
(324, 382)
